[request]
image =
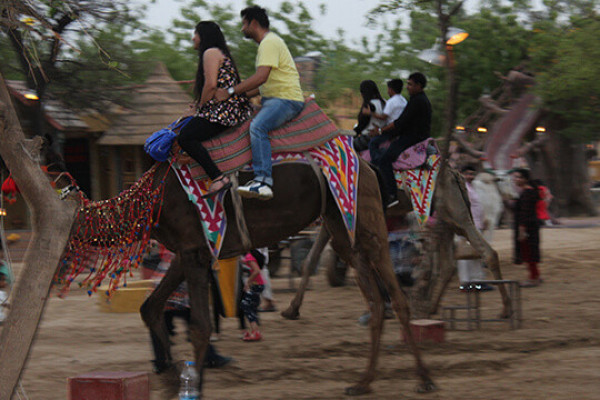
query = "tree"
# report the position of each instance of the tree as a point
(49, 38)
(37, 32)
(565, 58)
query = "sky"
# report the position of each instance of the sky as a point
(349, 15)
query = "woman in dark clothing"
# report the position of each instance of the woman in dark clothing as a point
(216, 69)
(527, 227)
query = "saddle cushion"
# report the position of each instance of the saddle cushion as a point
(231, 150)
(411, 158)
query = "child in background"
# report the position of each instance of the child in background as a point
(3, 297)
(252, 264)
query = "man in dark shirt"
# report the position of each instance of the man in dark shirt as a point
(412, 127)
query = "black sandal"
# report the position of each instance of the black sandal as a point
(225, 186)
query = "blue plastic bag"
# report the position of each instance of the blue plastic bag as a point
(159, 144)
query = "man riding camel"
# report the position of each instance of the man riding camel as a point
(411, 127)
(277, 81)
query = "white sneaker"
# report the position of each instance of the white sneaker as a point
(255, 190)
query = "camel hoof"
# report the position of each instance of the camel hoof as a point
(290, 313)
(426, 387)
(357, 390)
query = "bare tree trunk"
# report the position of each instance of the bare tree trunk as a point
(52, 220)
(573, 184)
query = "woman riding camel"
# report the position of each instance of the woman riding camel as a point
(216, 69)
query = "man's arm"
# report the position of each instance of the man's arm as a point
(397, 125)
(249, 86)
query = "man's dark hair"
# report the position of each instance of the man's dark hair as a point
(256, 13)
(396, 85)
(419, 78)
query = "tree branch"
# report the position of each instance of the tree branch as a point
(491, 105)
(467, 147)
(456, 8)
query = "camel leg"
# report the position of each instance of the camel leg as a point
(153, 315)
(383, 268)
(446, 264)
(367, 283)
(196, 267)
(308, 266)
(453, 208)
(490, 257)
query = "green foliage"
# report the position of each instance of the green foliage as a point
(497, 43)
(566, 60)
(77, 50)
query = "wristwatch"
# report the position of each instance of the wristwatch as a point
(231, 91)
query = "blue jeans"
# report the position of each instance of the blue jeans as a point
(274, 113)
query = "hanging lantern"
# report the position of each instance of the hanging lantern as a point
(10, 190)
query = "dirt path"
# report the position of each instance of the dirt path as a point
(556, 355)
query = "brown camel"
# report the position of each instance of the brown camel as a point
(268, 222)
(452, 205)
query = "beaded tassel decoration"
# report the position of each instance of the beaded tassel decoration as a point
(109, 236)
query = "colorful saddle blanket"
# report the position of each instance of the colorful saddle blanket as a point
(420, 185)
(416, 171)
(336, 158)
(231, 150)
(411, 158)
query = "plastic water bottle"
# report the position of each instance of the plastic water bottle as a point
(188, 389)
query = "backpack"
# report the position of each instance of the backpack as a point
(158, 145)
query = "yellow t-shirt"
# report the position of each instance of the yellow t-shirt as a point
(283, 81)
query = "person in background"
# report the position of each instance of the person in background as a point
(278, 82)
(472, 270)
(391, 112)
(526, 227)
(267, 303)
(252, 263)
(543, 203)
(3, 297)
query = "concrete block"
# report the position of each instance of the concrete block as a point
(114, 385)
(427, 330)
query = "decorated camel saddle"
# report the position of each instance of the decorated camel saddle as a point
(310, 138)
(416, 170)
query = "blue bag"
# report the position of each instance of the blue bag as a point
(158, 146)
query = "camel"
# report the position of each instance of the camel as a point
(268, 222)
(452, 208)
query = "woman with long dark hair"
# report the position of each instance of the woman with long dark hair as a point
(372, 103)
(216, 69)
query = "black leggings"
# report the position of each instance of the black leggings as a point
(191, 137)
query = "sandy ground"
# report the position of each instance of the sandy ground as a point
(556, 354)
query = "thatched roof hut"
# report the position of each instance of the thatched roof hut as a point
(155, 104)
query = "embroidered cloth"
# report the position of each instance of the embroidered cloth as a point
(337, 160)
(420, 184)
